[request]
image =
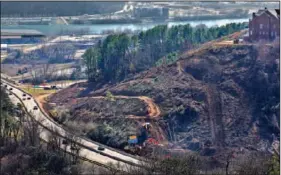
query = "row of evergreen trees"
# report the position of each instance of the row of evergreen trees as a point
(120, 54)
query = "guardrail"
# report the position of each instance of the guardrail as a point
(85, 159)
(87, 147)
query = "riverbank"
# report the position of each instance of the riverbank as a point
(100, 28)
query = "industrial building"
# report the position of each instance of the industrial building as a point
(151, 12)
(35, 22)
(20, 36)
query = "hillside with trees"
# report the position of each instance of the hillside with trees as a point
(210, 108)
(209, 101)
(121, 55)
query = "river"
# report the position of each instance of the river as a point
(99, 28)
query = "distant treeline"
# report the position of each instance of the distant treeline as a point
(120, 55)
(32, 9)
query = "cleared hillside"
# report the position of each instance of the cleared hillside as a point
(213, 100)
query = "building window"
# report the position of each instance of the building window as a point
(251, 32)
(272, 34)
(261, 26)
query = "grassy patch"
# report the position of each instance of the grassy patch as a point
(36, 91)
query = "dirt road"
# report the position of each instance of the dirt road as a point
(153, 109)
(154, 113)
(215, 115)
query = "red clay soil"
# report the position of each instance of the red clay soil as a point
(153, 113)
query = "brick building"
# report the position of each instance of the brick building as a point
(264, 25)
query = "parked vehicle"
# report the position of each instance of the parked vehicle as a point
(64, 142)
(100, 148)
(35, 108)
(73, 148)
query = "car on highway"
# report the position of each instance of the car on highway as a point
(73, 148)
(28, 98)
(10, 93)
(24, 99)
(35, 108)
(100, 148)
(5, 85)
(11, 89)
(24, 95)
(64, 142)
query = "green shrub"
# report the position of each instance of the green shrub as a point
(110, 96)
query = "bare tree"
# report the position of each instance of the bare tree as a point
(54, 141)
(33, 73)
(32, 131)
(74, 146)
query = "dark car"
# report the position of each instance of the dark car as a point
(10, 94)
(11, 89)
(24, 99)
(101, 148)
(28, 98)
(64, 142)
(24, 95)
(35, 108)
(73, 148)
(5, 85)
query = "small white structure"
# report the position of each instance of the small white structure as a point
(4, 47)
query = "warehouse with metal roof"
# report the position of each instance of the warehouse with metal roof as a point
(6, 33)
(19, 36)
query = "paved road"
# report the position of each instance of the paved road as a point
(89, 149)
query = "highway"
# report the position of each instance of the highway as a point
(89, 150)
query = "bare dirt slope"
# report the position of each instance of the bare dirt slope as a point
(216, 99)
